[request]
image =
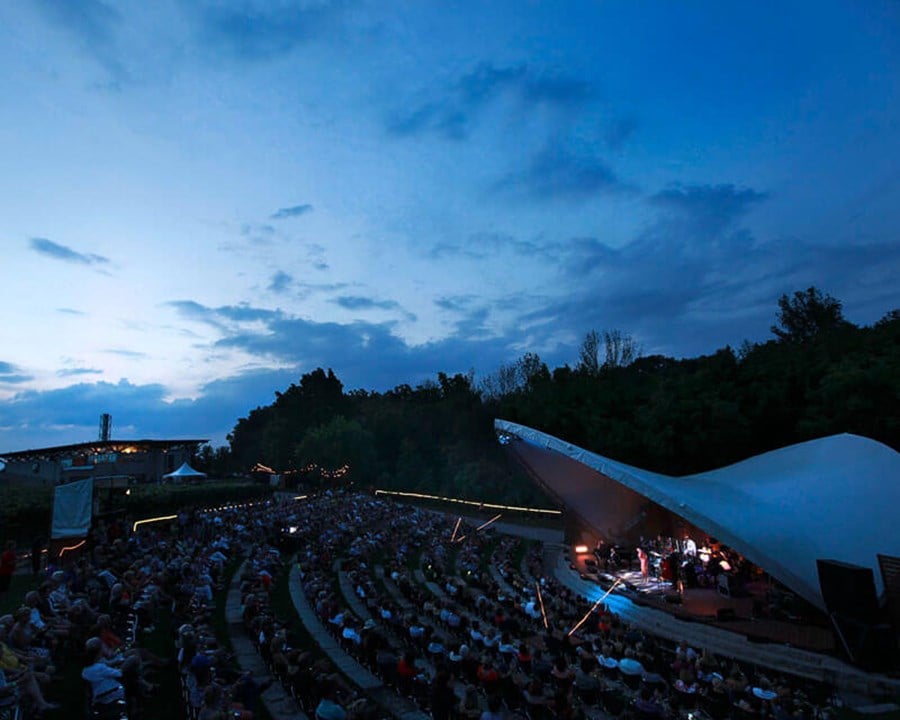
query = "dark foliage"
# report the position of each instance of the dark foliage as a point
(823, 375)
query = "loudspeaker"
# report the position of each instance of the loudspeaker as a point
(848, 590)
(872, 647)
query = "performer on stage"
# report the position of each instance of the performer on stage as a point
(645, 563)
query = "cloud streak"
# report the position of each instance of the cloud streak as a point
(77, 372)
(294, 211)
(11, 374)
(93, 24)
(50, 249)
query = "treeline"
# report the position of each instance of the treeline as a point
(437, 437)
(818, 376)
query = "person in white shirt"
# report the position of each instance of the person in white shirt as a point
(104, 679)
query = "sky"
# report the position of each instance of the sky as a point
(201, 200)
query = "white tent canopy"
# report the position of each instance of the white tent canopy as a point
(834, 498)
(184, 472)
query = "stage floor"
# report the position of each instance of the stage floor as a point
(709, 606)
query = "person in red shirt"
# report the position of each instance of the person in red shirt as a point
(7, 567)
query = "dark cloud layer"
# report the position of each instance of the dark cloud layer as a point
(453, 113)
(561, 173)
(253, 31)
(48, 248)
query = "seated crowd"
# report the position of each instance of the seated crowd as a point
(457, 627)
(464, 624)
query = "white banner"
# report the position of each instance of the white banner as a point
(72, 505)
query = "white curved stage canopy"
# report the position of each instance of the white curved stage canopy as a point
(835, 498)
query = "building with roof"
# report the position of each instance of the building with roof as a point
(141, 461)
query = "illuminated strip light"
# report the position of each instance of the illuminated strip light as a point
(73, 547)
(300, 497)
(152, 520)
(541, 600)
(492, 506)
(482, 526)
(456, 529)
(208, 509)
(489, 522)
(595, 606)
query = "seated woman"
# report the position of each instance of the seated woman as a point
(25, 637)
(18, 676)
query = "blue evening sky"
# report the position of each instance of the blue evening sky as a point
(200, 200)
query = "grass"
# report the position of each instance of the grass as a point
(20, 586)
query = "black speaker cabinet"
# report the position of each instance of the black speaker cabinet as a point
(872, 647)
(848, 590)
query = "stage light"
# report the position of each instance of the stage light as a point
(581, 549)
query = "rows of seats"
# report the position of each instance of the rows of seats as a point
(446, 616)
(435, 612)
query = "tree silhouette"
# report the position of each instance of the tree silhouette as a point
(807, 314)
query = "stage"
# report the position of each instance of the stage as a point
(737, 613)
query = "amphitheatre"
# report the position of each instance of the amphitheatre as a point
(338, 602)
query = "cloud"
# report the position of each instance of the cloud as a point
(291, 212)
(712, 206)
(280, 282)
(696, 277)
(223, 316)
(75, 372)
(356, 302)
(453, 114)
(258, 233)
(257, 31)
(365, 354)
(359, 303)
(455, 303)
(70, 311)
(94, 25)
(134, 354)
(557, 172)
(35, 418)
(12, 374)
(480, 246)
(67, 254)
